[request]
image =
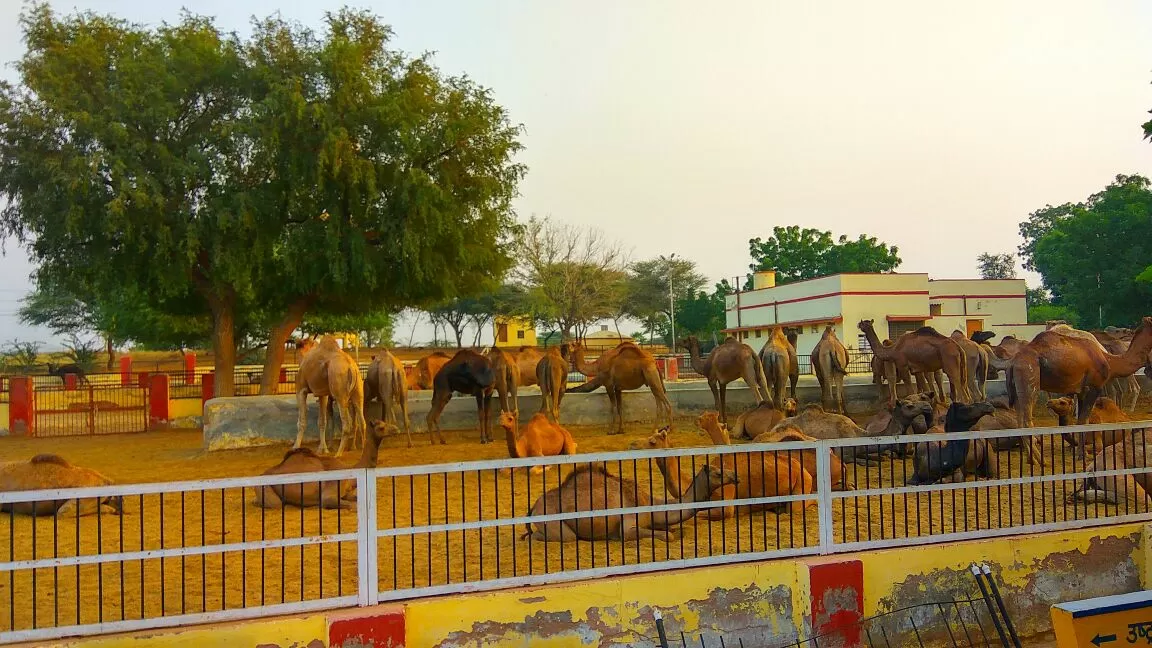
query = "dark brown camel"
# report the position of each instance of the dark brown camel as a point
(924, 351)
(727, 363)
(467, 373)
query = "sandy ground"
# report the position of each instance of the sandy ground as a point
(156, 586)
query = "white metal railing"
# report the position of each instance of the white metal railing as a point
(444, 528)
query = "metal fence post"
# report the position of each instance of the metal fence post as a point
(366, 554)
(824, 494)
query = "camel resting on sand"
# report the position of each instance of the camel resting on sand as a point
(49, 471)
(539, 437)
(329, 494)
(840, 479)
(815, 422)
(1130, 452)
(1104, 410)
(953, 459)
(761, 419)
(591, 488)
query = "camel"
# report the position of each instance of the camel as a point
(507, 379)
(49, 472)
(913, 413)
(815, 422)
(729, 362)
(840, 480)
(468, 373)
(625, 367)
(426, 369)
(976, 359)
(776, 359)
(328, 372)
(936, 461)
(1104, 410)
(793, 364)
(552, 376)
(1125, 390)
(386, 383)
(527, 359)
(1129, 453)
(762, 418)
(592, 487)
(1063, 363)
(760, 474)
(1003, 417)
(830, 362)
(539, 437)
(331, 494)
(921, 351)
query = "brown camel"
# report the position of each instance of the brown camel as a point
(539, 437)
(1131, 452)
(592, 488)
(759, 474)
(921, 351)
(830, 363)
(793, 364)
(468, 373)
(527, 359)
(625, 367)
(1003, 417)
(953, 459)
(729, 362)
(328, 372)
(815, 422)
(840, 479)
(552, 376)
(976, 361)
(50, 472)
(330, 494)
(507, 379)
(1125, 390)
(386, 383)
(1065, 364)
(776, 358)
(1104, 410)
(427, 368)
(762, 418)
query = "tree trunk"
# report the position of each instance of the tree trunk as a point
(111, 353)
(458, 331)
(224, 346)
(277, 340)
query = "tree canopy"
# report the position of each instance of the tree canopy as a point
(797, 254)
(997, 266)
(258, 177)
(1091, 255)
(648, 288)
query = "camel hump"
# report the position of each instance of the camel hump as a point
(305, 452)
(928, 330)
(49, 459)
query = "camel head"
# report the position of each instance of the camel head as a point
(1063, 406)
(982, 337)
(910, 411)
(658, 440)
(381, 429)
(865, 325)
(790, 407)
(961, 416)
(508, 420)
(708, 419)
(688, 343)
(715, 477)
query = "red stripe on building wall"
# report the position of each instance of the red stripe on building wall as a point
(977, 296)
(836, 294)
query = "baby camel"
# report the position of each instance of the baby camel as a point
(330, 494)
(539, 437)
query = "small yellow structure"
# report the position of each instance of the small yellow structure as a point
(1103, 621)
(510, 331)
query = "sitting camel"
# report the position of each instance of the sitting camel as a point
(1003, 417)
(592, 487)
(815, 422)
(468, 373)
(840, 480)
(912, 414)
(386, 383)
(539, 437)
(761, 419)
(328, 372)
(49, 472)
(552, 375)
(953, 459)
(1104, 410)
(325, 494)
(761, 474)
(1131, 452)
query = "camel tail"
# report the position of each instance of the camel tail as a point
(1010, 386)
(590, 386)
(837, 366)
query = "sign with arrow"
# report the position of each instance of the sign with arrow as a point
(1123, 619)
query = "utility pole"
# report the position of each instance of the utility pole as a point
(671, 301)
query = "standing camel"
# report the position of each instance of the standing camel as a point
(776, 356)
(552, 375)
(427, 368)
(728, 362)
(1060, 363)
(830, 362)
(527, 359)
(923, 351)
(625, 367)
(976, 360)
(387, 384)
(468, 373)
(793, 364)
(507, 374)
(328, 372)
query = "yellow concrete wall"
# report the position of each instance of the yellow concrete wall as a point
(515, 325)
(580, 614)
(185, 407)
(3, 416)
(885, 282)
(303, 632)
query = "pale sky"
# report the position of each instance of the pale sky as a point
(690, 127)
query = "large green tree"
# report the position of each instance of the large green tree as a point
(651, 282)
(996, 266)
(257, 178)
(1091, 254)
(797, 254)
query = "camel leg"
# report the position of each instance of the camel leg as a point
(85, 506)
(1085, 400)
(636, 532)
(557, 531)
(322, 416)
(723, 403)
(656, 385)
(839, 379)
(266, 497)
(301, 416)
(482, 415)
(720, 494)
(402, 402)
(617, 411)
(347, 424)
(714, 386)
(331, 499)
(439, 400)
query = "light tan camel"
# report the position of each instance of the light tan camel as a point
(325, 494)
(539, 437)
(552, 376)
(815, 422)
(921, 351)
(1104, 410)
(593, 488)
(426, 370)
(386, 383)
(49, 472)
(793, 364)
(776, 358)
(840, 479)
(830, 362)
(1131, 452)
(328, 372)
(976, 361)
(625, 367)
(762, 418)
(507, 379)
(726, 363)
(1065, 364)
(759, 474)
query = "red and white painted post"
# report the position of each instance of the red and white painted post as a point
(21, 406)
(158, 402)
(837, 588)
(125, 370)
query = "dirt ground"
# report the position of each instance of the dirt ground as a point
(154, 586)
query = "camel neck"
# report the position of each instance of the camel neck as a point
(698, 490)
(873, 341)
(510, 436)
(671, 474)
(581, 365)
(371, 451)
(696, 360)
(718, 435)
(1133, 359)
